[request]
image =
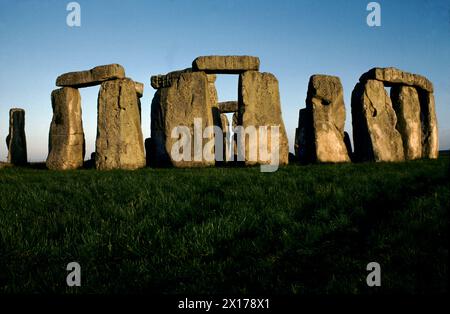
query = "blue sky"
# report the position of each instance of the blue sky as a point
(294, 40)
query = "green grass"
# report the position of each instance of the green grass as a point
(302, 230)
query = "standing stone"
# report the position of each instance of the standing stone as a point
(119, 142)
(259, 106)
(405, 101)
(304, 137)
(430, 137)
(16, 140)
(187, 100)
(66, 138)
(325, 99)
(374, 134)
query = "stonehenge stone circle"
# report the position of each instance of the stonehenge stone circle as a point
(91, 77)
(381, 133)
(66, 138)
(405, 101)
(16, 139)
(119, 143)
(324, 134)
(259, 106)
(226, 64)
(187, 98)
(187, 117)
(374, 124)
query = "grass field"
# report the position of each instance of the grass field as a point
(302, 230)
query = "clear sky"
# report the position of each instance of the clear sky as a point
(294, 39)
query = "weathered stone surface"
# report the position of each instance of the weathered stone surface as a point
(374, 134)
(259, 106)
(228, 106)
(179, 105)
(66, 138)
(91, 77)
(392, 76)
(430, 137)
(226, 64)
(16, 139)
(165, 80)
(119, 142)
(213, 97)
(139, 89)
(405, 101)
(326, 101)
(211, 78)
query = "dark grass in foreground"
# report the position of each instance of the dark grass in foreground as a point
(301, 230)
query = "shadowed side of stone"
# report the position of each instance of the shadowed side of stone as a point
(348, 145)
(304, 146)
(226, 64)
(16, 139)
(91, 77)
(119, 143)
(430, 136)
(66, 138)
